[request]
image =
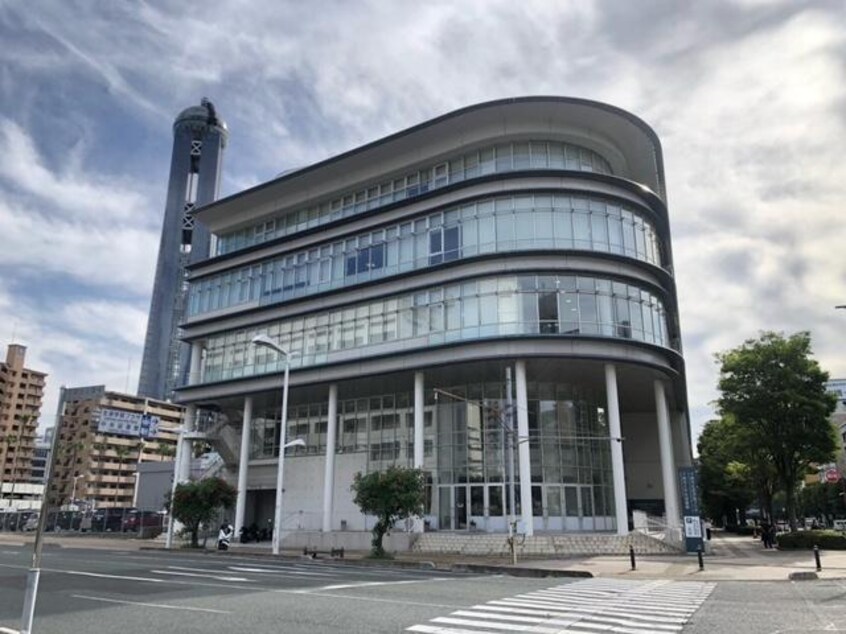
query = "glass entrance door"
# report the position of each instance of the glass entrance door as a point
(578, 507)
(460, 494)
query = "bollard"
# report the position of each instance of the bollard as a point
(632, 557)
(817, 557)
(701, 560)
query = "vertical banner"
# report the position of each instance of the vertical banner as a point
(691, 511)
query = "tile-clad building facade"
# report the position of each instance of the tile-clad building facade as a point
(408, 277)
(21, 394)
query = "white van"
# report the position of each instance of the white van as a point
(840, 525)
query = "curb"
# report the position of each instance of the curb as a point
(520, 572)
(395, 563)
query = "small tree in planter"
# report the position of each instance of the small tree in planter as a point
(394, 494)
(196, 503)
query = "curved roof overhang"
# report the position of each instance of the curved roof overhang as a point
(629, 144)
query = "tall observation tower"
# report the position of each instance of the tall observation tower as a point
(199, 137)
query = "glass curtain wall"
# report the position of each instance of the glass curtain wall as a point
(503, 157)
(493, 225)
(465, 432)
(545, 305)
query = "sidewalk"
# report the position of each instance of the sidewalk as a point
(733, 558)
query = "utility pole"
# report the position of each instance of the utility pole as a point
(35, 570)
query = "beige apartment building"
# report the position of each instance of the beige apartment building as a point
(100, 445)
(21, 393)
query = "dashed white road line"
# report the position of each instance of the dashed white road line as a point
(204, 575)
(163, 606)
(368, 584)
(279, 572)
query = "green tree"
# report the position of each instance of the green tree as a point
(391, 495)
(196, 503)
(122, 453)
(724, 480)
(776, 393)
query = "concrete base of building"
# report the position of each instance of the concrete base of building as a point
(539, 545)
(348, 540)
(483, 544)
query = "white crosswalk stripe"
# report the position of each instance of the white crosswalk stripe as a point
(595, 605)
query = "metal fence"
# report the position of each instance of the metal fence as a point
(130, 522)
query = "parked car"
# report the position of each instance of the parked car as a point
(109, 520)
(28, 521)
(136, 519)
(8, 520)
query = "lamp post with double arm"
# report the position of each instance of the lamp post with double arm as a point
(265, 341)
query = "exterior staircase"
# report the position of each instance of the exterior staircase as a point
(558, 545)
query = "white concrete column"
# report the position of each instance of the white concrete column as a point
(617, 466)
(419, 406)
(668, 464)
(419, 422)
(243, 465)
(523, 447)
(195, 367)
(329, 467)
(183, 466)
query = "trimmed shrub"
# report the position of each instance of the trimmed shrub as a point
(806, 540)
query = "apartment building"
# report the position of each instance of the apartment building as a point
(21, 394)
(103, 436)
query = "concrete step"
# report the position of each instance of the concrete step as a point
(558, 545)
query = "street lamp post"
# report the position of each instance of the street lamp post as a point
(267, 342)
(511, 441)
(73, 489)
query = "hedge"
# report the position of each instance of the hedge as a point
(806, 540)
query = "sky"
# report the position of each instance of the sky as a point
(747, 96)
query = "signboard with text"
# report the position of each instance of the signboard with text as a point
(115, 421)
(691, 510)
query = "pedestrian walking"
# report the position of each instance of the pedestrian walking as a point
(224, 536)
(766, 535)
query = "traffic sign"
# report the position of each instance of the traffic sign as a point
(832, 476)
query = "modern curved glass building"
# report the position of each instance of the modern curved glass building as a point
(505, 265)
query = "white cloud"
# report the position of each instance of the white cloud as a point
(747, 97)
(84, 196)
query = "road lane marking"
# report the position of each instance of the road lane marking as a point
(280, 572)
(151, 605)
(661, 607)
(9, 630)
(206, 576)
(82, 573)
(303, 592)
(369, 584)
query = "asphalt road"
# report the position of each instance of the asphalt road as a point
(96, 591)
